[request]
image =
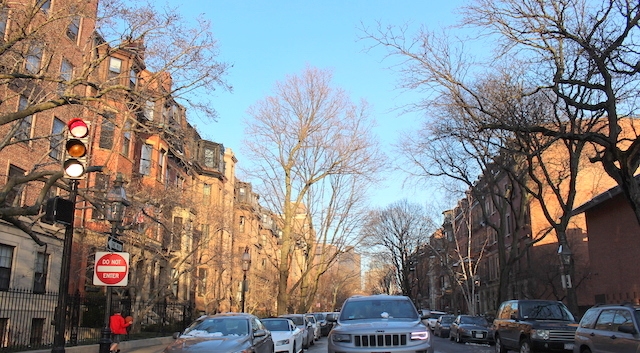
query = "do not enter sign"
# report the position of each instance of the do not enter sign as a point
(111, 269)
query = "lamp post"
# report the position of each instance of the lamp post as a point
(246, 263)
(117, 199)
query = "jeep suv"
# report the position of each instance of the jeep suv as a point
(609, 328)
(379, 323)
(534, 326)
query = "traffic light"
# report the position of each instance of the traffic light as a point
(76, 149)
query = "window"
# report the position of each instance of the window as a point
(100, 186)
(34, 59)
(66, 74)
(209, 158)
(45, 5)
(115, 67)
(241, 225)
(508, 225)
(55, 142)
(6, 259)
(206, 192)
(605, 320)
(126, 139)
(201, 288)
(14, 197)
(161, 159)
(133, 78)
(36, 336)
(74, 28)
(149, 107)
(176, 243)
(145, 159)
(23, 132)
(40, 273)
(4, 16)
(107, 133)
(174, 282)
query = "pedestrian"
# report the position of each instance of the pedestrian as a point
(118, 326)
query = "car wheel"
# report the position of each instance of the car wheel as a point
(525, 346)
(586, 350)
(499, 347)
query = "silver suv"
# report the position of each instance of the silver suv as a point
(383, 323)
(609, 328)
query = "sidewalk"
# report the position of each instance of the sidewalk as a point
(125, 346)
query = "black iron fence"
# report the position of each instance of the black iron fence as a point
(27, 319)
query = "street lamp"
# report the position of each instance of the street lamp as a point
(246, 263)
(565, 261)
(117, 200)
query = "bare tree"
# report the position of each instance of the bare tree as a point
(399, 230)
(302, 138)
(584, 53)
(173, 59)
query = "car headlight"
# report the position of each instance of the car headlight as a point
(282, 342)
(420, 335)
(341, 337)
(540, 334)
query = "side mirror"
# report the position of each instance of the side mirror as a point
(176, 335)
(259, 333)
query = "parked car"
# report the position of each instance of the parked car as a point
(314, 326)
(304, 325)
(469, 328)
(443, 324)
(325, 326)
(285, 334)
(432, 317)
(534, 326)
(609, 328)
(223, 333)
(379, 323)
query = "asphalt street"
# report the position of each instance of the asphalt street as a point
(441, 345)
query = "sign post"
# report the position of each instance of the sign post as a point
(111, 269)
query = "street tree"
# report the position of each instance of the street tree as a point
(311, 148)
(43, 76)
(399, 230)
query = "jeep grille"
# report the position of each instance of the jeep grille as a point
(559, 335)
(381, 340)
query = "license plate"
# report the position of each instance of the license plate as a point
(568, 346)
(479, 335)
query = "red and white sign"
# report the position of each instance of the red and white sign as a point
(111, 269)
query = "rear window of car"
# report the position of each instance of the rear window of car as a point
(298, 320)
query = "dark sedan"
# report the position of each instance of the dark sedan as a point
(223, 333)
(443, 324)
(468, 328)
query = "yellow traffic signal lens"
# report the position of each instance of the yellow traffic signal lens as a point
(76, 148)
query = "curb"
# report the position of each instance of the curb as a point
(124, 345)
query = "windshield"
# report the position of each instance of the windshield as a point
(376, 309)
(474, 320)
(276, 325)
(447, 319)
(545, 311)
(298, 320)
(213, 327)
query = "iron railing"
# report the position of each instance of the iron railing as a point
(27, 319)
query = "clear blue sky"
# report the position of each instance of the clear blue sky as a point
(268, 40)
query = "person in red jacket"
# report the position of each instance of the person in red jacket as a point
(118, 327)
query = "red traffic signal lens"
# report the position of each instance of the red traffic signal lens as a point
(77, 127)
(76, 148)
(73, 168)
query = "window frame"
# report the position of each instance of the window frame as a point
(7, 253)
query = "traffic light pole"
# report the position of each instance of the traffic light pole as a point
(65, 268)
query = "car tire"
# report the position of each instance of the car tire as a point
(586, 350)
(499, 347)
(525, 346)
